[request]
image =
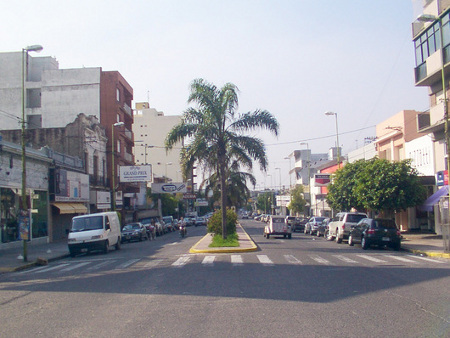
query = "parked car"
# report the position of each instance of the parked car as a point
(299, 224)
(200, 221)
(378, 231)
(150, 227)
(134, 232)
(313, 224)
(339, 228)
(189, 221)
(323, 227)
(277, 227)
(290, 221)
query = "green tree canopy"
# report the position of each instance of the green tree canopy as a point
(298, 203)
(216, 135)
(265, 201)
(376, 185)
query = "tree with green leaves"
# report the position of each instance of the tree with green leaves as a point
(376, 185)
(298, 203)
(265, 201)
(216, 135)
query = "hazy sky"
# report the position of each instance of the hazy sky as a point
(296, 59)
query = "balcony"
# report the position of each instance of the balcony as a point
(128, 157)
(127, 109)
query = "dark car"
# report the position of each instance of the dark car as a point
(322, 229)
(378, 231)
(299, 224)
(134, 232)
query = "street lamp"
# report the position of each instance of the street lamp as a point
(24, 209)
(113, 169)
(308, 163)
(279, 169)
(290, 180)
(337, 137)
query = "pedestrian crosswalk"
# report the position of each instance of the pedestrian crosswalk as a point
(235, 260)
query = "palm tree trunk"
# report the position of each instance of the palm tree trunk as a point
(223, 198)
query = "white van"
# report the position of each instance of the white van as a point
(277, 226)
(94, 232)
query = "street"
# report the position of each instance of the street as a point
(303, 287)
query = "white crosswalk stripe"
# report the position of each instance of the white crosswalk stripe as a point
(402, 259)
(345, 259)
(153, 263)
(264, 259)
(208, 260)
(237, 260)
(320, 260)
(75, 266)
(373, 259)
(181, 261)
(127, 264)
(291, 259)
(50, 268)
(427, 259)
(100, 265)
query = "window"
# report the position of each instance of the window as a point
(118, 94)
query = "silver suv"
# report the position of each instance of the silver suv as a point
(341, 224)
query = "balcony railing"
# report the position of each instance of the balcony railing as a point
(128, 157)
(127, 108)
(128, 134)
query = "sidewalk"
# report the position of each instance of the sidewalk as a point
(421, 244)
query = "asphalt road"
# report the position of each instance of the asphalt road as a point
(303, 287)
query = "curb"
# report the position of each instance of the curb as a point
(428, 253)
(253, 246)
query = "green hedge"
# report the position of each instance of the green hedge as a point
(215, 222)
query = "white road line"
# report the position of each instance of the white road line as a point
(264, 259)
(237, 260)
(320, 260)
(403, 259)
(75, 266)
(208, 260)
(152, 264)
(427, 259)
(33, 270)
(345, 259)
(53, 268)
(127, 263)
(100, 265)
(373, 259)
(291, 259)
(181, 261)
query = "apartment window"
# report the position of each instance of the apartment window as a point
(118, 94)
(34, 98)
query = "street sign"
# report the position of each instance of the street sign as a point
(189, 196)
(168, 188)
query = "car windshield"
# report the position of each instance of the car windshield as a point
(355, 218)
(277, 220)
(319, 219)
(131, 227)
(385, 224)
(87, 223)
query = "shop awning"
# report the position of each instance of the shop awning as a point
(70, 208)
(433, 199)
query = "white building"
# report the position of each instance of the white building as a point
(150, 129)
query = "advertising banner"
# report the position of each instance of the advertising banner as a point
(321, 180)
(141, 173)
(71, 186)
(168, 188)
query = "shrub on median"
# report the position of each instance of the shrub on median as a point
(215, 222)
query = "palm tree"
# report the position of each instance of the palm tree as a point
(214, 134)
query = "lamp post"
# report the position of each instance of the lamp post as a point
(290, 180)
(279, 172)
(113, 169)
(309, 174)
(329, 113)
(24, 209)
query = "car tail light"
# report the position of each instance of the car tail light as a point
(343, 226)
(371, 231)
(398, 233)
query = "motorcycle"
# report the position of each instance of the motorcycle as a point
(183, 231)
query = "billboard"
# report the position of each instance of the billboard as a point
(168, 188)
(71, 186)
(321, 180)
(141, 173)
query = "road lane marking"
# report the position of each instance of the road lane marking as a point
(403, 259)
(127, 263)
(319, 259)
(237, 260)
(291, 259)
(75, 266)
(153, 263)
(264, 259)
(373, 259)
(52, 268)
(181, 261)
(345, 259)
(427, 259)
(100, 265)
(208, 260)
